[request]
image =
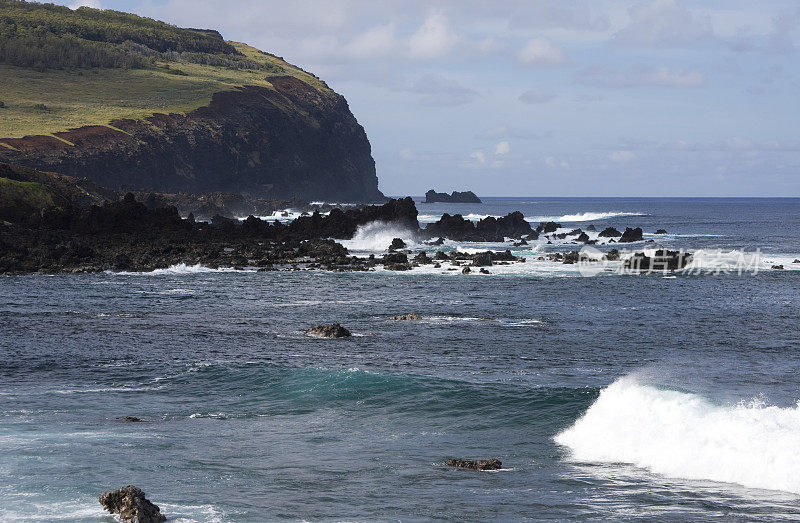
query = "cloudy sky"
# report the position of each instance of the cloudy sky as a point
(546, 97)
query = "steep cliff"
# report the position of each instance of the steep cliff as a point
(290, 140)
(175, 110)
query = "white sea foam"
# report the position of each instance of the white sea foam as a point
(685, 435)
(90, 510)
(284, 216)
(377, 236)
(180, 268)
(569, 218)
(582, 216)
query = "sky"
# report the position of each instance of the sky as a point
(545, 97)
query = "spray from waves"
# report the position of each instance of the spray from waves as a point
(377, 236)
(684, 435)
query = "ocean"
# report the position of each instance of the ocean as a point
(618, 396)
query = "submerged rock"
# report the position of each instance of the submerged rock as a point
(131, 505)
(466, 270)
(397, 244)
(777, 267)
(411, 316)
(334, 330)
(132, 419)
(661, 231)
(480, 464)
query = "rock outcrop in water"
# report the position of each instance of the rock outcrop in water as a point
(456, 197)
(480, 464)
(631, 235)
(333, 330)
(131, 505)
(489, 229)
(610, 232)
(291, 140)
(411, 316)
(661, 260)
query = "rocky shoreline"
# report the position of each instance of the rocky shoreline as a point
(136, 236)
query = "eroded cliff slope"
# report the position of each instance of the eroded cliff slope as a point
(171, 110)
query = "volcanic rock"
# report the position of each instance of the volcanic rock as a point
(456, 197)
(548, 227)
(631, 235)
(481, 464)
(609, 232)
(397, 244)
(131, 505)
(411, 316)
(662, 260)
(333, 330)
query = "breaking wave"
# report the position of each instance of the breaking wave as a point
(582, 216)
(684, 435)
(569, 218)
(377, 236)
(180, 268)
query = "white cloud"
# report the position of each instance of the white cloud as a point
(777, 41)
(478, 155)
(502, 148)
(433, 39)
(663, 23)
(407, 154)
(536, 96)
(642, 75)
(540, 52)
(622, 156)
(94, 4)
(555, 163)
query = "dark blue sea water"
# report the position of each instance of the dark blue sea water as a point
(616, 396)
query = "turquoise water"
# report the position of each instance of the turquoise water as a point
(608, 397)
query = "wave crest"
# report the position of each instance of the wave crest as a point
(582, 216)
(685, 435)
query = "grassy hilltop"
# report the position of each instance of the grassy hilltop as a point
(61, 69)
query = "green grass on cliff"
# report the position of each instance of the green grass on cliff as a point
(20, 199)
(63, 68)
(60, 99)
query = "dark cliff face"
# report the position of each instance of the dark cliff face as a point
(292, 141)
